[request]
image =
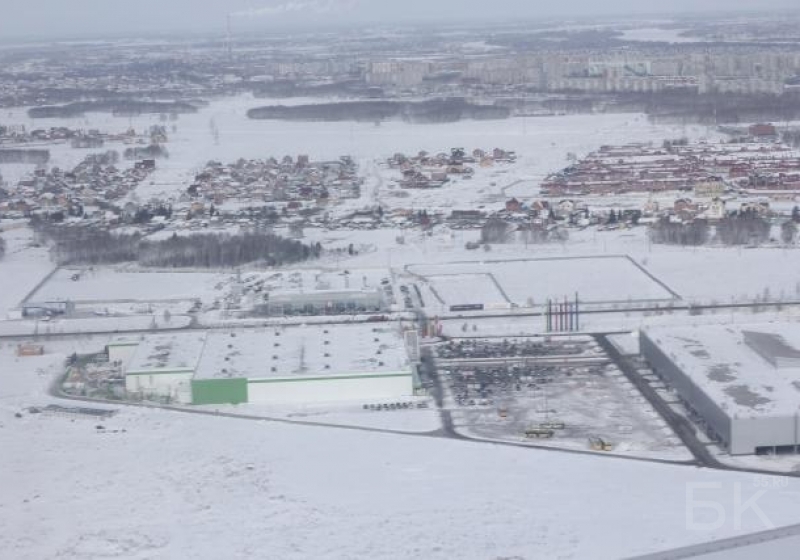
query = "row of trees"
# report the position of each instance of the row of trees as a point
(220, 250)
(676, 233)
(791, 137)
(433, 110)
(742, 228)
(115, 106)
(496, 230)
(93, 246)
(2, 247)
(153, 151)
(27, 156)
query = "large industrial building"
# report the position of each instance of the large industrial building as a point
(325, 302)
(308, 364)
(743, 381)
(320, 292)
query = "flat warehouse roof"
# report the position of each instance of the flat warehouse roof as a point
(304, 352)
(367, 294)
(164, 353)
(750, 370)
(317, 280)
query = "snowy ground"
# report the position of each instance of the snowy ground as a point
(611, 322)
(415, 420)
(542, 143)
(61, 326)
(707, 275)
(172, 484)
(589, 404)
(107, 284)
(22, 268)
(595, 280)
(583, 395)
(704, 274)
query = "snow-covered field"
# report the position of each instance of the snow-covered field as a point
(61, 326)
(696, 274)
(177, 485)
(595, 280)
(21, 269)
(107, 285)
(726, 274)
(415, 420)
(466, 288)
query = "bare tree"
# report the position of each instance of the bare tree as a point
(788, 232)
(671, 233)
(495, 230)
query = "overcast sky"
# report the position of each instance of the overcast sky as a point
(36, 19)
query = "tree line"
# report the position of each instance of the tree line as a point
(27, 156)
(153, 151)
(743, 228)
(433, 110)
(676, 233)
(91, 246)
(738, 228)
(115, 106)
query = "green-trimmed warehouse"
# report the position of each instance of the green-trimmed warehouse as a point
(274, 365)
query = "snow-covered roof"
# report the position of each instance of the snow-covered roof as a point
(306, 351)
(312, 280)
(174, 352)
(749, 370)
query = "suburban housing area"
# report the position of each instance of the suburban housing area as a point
(467, 289)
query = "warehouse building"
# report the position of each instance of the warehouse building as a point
(742, 381)
(163, 366)
(325, 302)
(121, 349)
(309, 364)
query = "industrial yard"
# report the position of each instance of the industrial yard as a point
(564, 393)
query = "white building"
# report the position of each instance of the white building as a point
(743, 381)
(163, 365)
(121, 349)
(325, 302)
(310, 364)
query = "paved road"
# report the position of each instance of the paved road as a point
(300, 320)
(727, 545)
(194, 324)
(39, 285)
(668, 307)
(680, 425)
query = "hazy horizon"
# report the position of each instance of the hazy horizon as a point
(56, 19)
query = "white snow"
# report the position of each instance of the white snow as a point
(177, 485)
(595, 280)
(22, 268)
(107, 284)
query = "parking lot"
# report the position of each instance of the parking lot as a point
(561, 393)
